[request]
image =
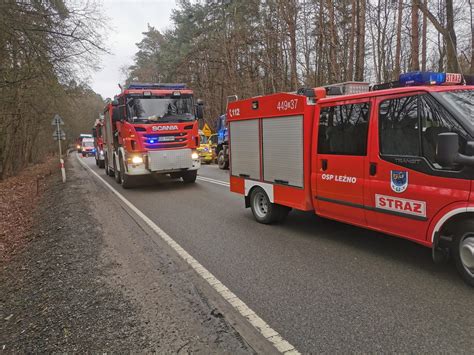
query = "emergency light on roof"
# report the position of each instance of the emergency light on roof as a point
(430, 78)
(347, 88)
(156, 86)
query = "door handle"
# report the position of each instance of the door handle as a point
(324, 163)
(373, 169)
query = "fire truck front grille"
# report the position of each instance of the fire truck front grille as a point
(170, 159)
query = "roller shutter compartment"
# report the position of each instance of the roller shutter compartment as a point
(283, 150)
(245, 149)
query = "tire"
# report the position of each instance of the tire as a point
(101, 164)
(107, 168)
(96, 161)
(117, 177)
(462, 250)
(107, 171)
(265, 211)
(190, 176)
(221, 161)
(125, 179)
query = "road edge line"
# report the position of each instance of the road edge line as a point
(213, 181)
(258, 323)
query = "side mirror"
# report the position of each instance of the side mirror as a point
(447, 151)
(94, 132)
(200, 109)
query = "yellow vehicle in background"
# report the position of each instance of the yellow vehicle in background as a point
(206, 149)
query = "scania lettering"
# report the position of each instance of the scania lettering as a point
(152, 129)
(397, 158)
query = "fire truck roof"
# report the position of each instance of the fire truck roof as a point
(155, 86)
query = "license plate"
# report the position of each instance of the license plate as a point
(166, 139)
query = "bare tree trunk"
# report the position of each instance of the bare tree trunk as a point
(398, 51)
(360, 47)
(415, 41)
(350, 71)
(471, 71)
(449, 34)
(332, 48)
(452, 64)
(423, 39)
(292, 33)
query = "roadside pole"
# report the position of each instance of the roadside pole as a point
(59, 135)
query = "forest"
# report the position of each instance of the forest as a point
(45, 48)
(48, 49)
(253, 47)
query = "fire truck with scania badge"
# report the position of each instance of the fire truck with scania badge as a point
(398, 158)
(152, 129)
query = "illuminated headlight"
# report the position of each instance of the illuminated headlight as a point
(195, 156)
(137, 160)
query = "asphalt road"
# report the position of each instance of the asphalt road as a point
(323, 285)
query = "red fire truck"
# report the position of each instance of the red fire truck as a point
(97, 132)
(152, 129)
(398, 159)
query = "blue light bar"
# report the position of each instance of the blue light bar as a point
(156, 86)
(422, 78)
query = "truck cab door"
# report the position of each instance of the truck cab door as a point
(406, 188)
(341, 160)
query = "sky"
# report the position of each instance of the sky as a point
(127, 20)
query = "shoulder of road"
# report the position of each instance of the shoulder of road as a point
(95, 278)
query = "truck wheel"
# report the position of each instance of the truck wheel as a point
(126, 180)
(190, 176)
(265, 211)
(108, 171)
(221, 161)
(96, 161)
(101, 164)
(463, 250)
(117, 177)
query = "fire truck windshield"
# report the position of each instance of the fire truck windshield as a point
(160, 109)
(463, 102)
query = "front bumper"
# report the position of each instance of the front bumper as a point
(163, 162)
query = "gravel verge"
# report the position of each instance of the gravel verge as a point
(85, 285)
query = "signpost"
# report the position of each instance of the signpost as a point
(59, 135)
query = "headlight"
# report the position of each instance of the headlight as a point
(195, 156)
(137, 160)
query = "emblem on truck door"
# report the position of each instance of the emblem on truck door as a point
(165, 128)
(398, 180)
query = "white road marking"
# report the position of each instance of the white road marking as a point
(258, 323)
(213, 181)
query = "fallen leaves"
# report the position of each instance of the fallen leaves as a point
(19, 197)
